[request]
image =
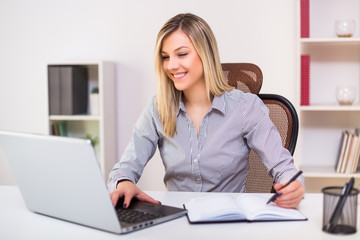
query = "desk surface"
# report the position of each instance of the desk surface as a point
(17, 222)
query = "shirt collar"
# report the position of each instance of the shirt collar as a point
(218, 104)
(181, 104)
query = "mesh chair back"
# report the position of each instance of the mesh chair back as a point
(244, 76)
(283, 115)
(248, 78)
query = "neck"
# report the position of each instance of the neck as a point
(196, 97)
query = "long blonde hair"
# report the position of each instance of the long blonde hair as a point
(203, 39)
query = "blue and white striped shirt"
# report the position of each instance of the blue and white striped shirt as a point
(216, 159)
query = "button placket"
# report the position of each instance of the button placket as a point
(199, 144)
(195, 155)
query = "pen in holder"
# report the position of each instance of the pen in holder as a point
(340, 209)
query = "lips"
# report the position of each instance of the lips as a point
(179, 75)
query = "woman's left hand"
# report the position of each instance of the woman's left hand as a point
(291, 195)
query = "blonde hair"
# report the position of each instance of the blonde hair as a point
(203, 39)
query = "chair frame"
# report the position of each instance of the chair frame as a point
(292, 111)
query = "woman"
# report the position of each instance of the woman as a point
(203, 127)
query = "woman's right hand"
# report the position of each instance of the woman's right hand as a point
(128, 190)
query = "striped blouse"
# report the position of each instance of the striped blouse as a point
(216, 159)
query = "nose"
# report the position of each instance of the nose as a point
(173, 63)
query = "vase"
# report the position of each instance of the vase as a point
(94, 103)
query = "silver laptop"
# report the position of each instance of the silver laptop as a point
(60, 177)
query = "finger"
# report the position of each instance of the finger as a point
(115, 196)
(277, 186)
(288, 204)
(292, 187)
(289, 200)
(144, 197)
(291, 195)
(127, 200)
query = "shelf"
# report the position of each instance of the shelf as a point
(330, 62)
(355, 40)
(74, 118)
(100, 74)
(79, 62)
(325, 172)
(333, 108)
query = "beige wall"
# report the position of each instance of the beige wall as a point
(39, 31)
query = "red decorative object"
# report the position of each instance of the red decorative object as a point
(305, 18)
(305, 80)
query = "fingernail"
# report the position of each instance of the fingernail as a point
(124, 206)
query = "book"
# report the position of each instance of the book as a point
(74, 90)
(59, 128)
(54, 90)
(352, 152)
(68, 90)
(357, 167)
(54, 129)
(347, 152)
(340, 150)
(305, 18)
(348, 156)
(343, 150)
(244, 208)
(356, 157)
(305, 80)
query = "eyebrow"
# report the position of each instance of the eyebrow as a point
(177, 49)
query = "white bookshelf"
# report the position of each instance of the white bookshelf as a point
(355, 40)
(334, 61)
(75, 117)
(102, 75)
(325, 172)
(333, 108)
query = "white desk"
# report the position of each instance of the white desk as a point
(17, 222)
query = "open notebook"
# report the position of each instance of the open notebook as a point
(246, 207)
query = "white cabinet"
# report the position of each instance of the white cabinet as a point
(101, 125)
(334, 61)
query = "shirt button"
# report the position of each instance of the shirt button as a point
(198, 179)
(195, 160)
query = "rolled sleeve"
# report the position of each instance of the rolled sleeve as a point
(140, 149)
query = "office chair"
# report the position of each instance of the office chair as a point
(244, 76)
(248, 78)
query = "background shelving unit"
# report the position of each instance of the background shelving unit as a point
(334, 62)
(101, 74)
(355, 40)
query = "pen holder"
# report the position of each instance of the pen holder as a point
(347, 219)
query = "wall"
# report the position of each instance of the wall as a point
(38, 31)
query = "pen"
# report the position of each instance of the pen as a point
(290, 181)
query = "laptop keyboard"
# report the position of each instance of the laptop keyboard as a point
(134, 216)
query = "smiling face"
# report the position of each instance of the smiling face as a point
(181, 62)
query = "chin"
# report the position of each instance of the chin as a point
(179, 87)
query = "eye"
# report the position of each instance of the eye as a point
(164, 57)
(182, 54)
